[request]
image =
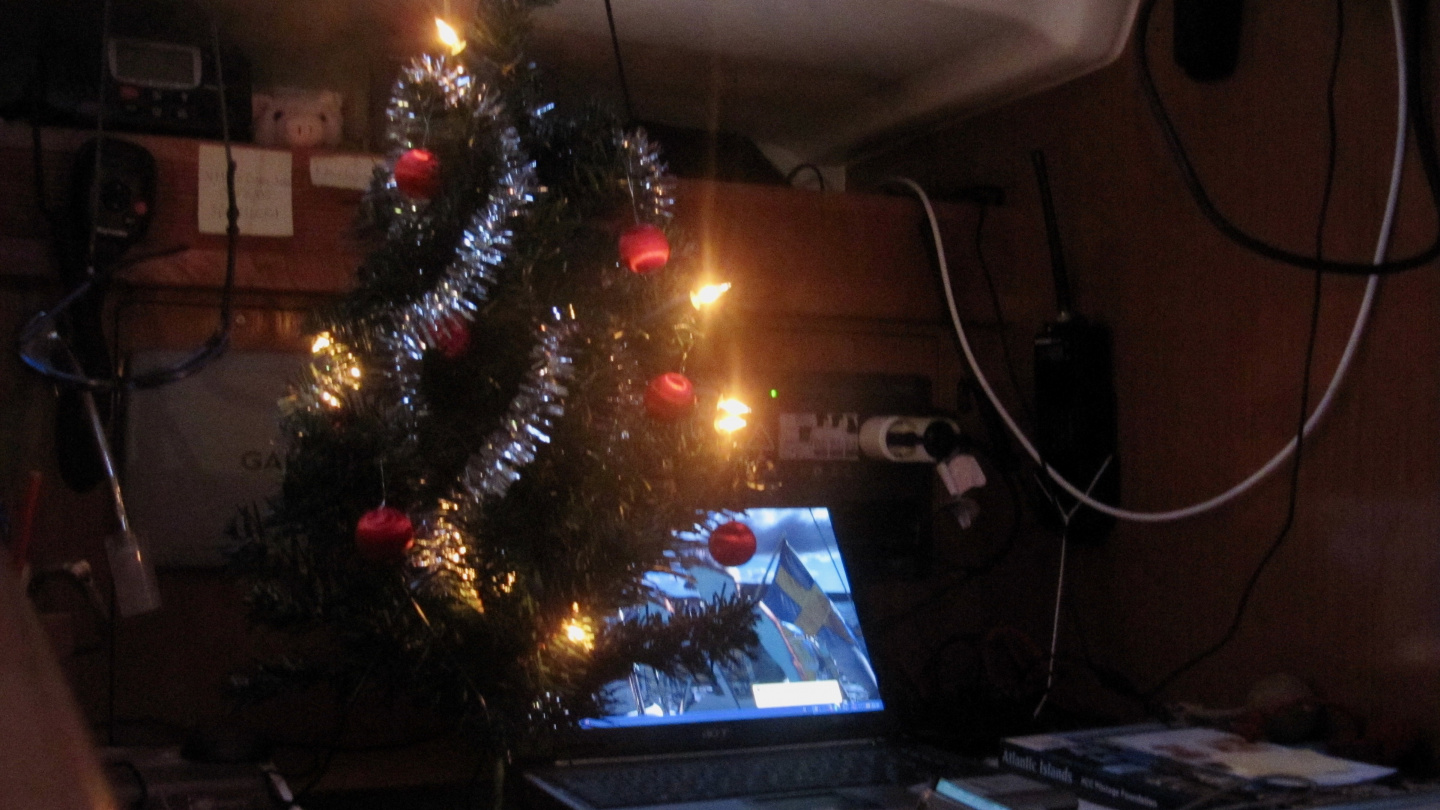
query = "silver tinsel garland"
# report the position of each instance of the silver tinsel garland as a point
(431, 85)
(441, 554)
(530, 418)
(651, 189)
(442, 559)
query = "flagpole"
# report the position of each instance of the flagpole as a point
(775, 563)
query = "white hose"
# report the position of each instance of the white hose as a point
(1362, 318)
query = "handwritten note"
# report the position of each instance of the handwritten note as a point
(262, 191)
(344, 171)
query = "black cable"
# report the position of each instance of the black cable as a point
(1042, 479)
(142, 787)
(1419, 105)
(93, 205)
(1000, 322)
(36, 91)
(795, 172)
(1284, 532)
(967, 573)
(365, 748)
(340, 724)
(110, 663)
(37, 161)
(970, 572)
(619, 63)
(1112, 679)
(1332, 130)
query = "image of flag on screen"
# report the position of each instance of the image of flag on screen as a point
(793, 596)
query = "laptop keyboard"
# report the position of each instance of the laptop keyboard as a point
(663, 781)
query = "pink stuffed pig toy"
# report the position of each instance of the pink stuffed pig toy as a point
(296, 118)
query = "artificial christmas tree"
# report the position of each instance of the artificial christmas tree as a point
(467, 521)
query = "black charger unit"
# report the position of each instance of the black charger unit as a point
(1207, 38)
(1075, 409)
(1076, 423)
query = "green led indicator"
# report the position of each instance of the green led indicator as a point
(774, 393)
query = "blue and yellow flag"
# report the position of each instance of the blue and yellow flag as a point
(794, 596)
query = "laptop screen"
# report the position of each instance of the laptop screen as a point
(812, 658)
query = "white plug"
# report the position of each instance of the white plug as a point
(902, 438)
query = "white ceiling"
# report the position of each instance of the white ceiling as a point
(823, 78)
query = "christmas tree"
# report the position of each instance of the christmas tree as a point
(496, 438)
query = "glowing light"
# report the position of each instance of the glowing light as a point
(774, 393)
(730, 415)
(578, 631)
(330, 399)
(322, 342)
(355, 372)
(729, 423)
(732, 406)
(448, 37)
(708, 294)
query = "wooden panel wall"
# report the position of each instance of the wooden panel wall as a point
(1209, 344)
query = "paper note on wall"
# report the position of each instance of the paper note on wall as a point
(262, 191)
(344, 171)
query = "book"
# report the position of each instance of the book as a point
(997, 791)
(1155, 767)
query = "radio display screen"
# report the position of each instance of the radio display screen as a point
(155, 64)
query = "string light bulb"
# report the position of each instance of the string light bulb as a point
(578, 631)
(730, 415)
(335, 371)
(448, 37)
(708, 294)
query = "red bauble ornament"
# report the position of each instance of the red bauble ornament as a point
(732, 543)
(669, 396)
(644, 249)
(417, 174)
(453, 338)
(384, 534)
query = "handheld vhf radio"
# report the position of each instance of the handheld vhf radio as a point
(1074, 399)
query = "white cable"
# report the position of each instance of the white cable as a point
(1362, 318)
(1065, 517)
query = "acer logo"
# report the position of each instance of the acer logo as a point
(714, 734)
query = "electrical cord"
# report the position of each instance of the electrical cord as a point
(619, 63)
(1424, 142)
(328, 755)
(795, 172)
(141, 786)
(1280, 537)
(1001, 323)
(1342, 367)
(93, 204)
(1066, 516)
(1284, 533)
(968, 573)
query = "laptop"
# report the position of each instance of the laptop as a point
(799, 725)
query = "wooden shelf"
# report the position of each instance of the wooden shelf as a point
(320, 259)
(789, 251)
(823, 281)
